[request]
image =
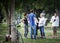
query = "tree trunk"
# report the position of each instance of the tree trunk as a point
(7, 9)
(13, 28)
(8, 19)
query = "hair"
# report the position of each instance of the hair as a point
(31, 10)
(55, 13)
(25, 14)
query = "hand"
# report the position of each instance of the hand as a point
(54, 20)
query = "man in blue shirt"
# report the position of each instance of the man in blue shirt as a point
(32, 18)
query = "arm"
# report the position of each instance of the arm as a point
(28, 18)
(51, 20)
(35, 19)
(45, 21)
(22, 20)
(58, 20)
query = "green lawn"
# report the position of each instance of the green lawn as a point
(48, 31)
(42, 41)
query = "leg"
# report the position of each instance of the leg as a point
(31, 30)
(43, 33)
(40, 31)
(25, 30)
(55, 32)
(37, 29)
(34, 32)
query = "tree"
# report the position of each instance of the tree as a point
(13, 28)
(1, 17)
(9, 7)
(25, 5)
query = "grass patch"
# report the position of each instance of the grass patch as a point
(42, 41)
(48, 31)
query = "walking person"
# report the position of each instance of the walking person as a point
(32, 18)
(55, 24)
(41, 25)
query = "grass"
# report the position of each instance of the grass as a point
(48, 31)
(42, 41)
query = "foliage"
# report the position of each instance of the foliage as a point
(48, 5)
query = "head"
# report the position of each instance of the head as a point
(25, 14)
(55, 14)
(41, 15)
(31, 11)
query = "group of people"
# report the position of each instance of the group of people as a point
(40, 22)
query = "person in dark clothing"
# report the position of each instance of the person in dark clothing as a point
(37, 27)
(25, 25)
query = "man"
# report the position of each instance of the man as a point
(32, 18)
(55, 24)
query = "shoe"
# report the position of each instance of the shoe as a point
(41, 37)
(44, 37)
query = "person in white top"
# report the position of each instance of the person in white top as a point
(55, 24)
(41, 25)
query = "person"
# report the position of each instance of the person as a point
(25, 21)
(41, 25)
(32, 18)
(37, 27)
(55, 24)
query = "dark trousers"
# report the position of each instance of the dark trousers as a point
(26, 30)
(37, 29)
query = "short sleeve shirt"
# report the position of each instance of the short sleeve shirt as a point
(31, 19)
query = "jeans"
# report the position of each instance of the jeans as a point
(33, 32)
(42, 31)
(26, 30)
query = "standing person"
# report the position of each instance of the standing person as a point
(25, 21)
(41, 25)
(32, 18)
(55, 24)
(36, 24)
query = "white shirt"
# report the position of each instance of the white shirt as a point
(36, 22)
(55, 21)
(42, 21)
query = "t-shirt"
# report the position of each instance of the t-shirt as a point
(25, 21)
(55, 21)
(42, 21)
(31, 19)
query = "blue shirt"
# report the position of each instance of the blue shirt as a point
(31, 19)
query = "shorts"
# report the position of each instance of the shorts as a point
(54, 28)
